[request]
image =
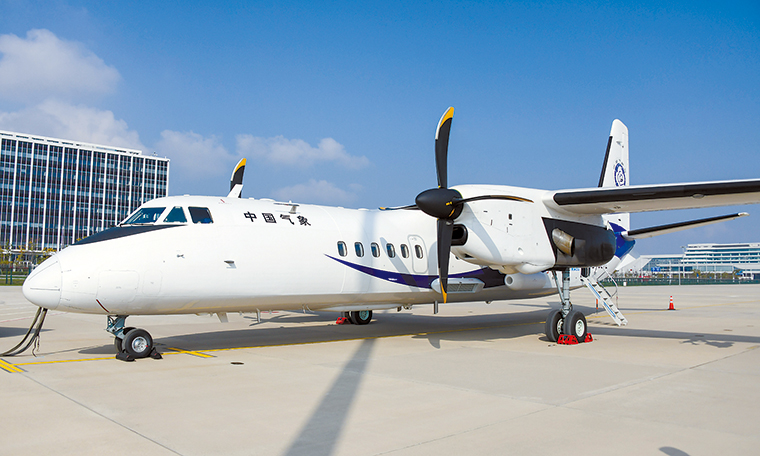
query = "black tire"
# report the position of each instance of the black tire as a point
(138, 343)
(553, 327)
(575, 324)
(118, 343)
(361, 317)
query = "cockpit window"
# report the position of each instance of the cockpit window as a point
(176, 215)
(200, 215)
(144, 216)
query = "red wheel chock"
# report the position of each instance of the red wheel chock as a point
(342, 321)
(565, 339)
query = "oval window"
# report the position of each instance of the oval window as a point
(391, 250)
(342, 249)
(418, 250)
(404, 251)
(359, 248)
(375, 249)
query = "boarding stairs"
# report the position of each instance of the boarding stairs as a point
(604, 296)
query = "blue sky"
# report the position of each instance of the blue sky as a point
(337, 102)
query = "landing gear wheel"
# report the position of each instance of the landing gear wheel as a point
(138, 343)
(117, 343)
(554, 323)
(361, 317)
(575, 324)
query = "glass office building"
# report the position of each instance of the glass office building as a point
(711, 258)
(54, 192)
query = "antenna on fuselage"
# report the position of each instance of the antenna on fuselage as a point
(236, 181)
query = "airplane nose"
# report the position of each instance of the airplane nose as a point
(43, 286)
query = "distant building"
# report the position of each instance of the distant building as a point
(743, 259)
(54, 192)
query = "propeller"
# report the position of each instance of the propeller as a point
(443, 203)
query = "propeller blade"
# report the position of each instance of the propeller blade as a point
(445, 233)
(492, 197)
(442, 147)
(399, 208)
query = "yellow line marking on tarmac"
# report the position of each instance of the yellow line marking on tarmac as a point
(65, 361)
(189, 352)
(8, 367)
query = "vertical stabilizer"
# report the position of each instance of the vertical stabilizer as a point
(616, 170)
(616, 173)
(236, 181)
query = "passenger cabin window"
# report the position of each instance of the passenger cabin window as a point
(391, 250)
(342, 250)
(144, 216)
(176, 215)
(375, 250)
(359, 249)
(404, 251)
(418, 251)
(200, 215)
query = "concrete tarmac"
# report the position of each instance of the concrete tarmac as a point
(473, 379)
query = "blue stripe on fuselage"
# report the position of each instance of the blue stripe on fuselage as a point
(489, 276)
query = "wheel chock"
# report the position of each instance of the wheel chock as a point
(567, 339)
(155, 354)
(570, 339)
(124, 356)
(342, 321)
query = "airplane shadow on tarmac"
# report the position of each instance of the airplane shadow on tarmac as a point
(305, 329)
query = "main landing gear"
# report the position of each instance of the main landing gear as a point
(131, 343)
(356, 317)
(565, 321)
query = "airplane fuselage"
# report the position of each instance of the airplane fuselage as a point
(254, 254)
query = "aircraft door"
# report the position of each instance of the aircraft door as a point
(418, 252)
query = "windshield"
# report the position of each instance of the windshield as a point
(144, 216)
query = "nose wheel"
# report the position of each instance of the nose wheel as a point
(131, 343)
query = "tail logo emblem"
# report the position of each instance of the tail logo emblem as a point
(619, 174)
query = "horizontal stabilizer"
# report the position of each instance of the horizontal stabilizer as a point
(673, 227)
(646, 198)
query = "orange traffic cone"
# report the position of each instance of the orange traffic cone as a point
(671, 304)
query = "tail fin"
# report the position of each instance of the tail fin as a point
(615, 173)
(615, 169)
(236, 181)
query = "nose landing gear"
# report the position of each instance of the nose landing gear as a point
(130, 343)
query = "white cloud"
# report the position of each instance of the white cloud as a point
(194, 155)
(42, 66)
(75, 122)
(283, 151)
(315, 191)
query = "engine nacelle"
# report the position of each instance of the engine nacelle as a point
(580, 244)
(486, 246)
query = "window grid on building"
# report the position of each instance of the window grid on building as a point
(54, 192)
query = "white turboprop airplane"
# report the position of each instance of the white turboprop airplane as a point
(204, 254)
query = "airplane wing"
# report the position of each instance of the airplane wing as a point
(647, 198)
